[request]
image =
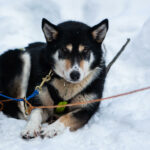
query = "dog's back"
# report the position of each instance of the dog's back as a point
(10, 68)
(11, 72)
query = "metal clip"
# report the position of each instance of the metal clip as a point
(27, 112)
(45, 79)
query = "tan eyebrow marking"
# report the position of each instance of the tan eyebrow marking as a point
(81, 47)
(69, 47)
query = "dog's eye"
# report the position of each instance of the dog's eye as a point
(64, 50)
(63, 53)
(86, 53)
(86, 50)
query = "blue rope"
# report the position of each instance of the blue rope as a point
(36, 92)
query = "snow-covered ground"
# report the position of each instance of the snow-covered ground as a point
(120, 124)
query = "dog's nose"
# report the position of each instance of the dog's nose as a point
(75, 75)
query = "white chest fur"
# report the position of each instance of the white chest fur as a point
(69, 90)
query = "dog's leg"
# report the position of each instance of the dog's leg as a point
(33, 126)
(73, 120)
(38, 116)
(24, 83)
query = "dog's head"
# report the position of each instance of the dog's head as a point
(73, 48)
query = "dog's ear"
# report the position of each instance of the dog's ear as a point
(99, 31)
(49, 30)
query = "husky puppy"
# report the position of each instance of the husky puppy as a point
(73, 52)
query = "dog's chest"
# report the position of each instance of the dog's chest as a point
(68, 90)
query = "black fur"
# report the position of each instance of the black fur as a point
(42, 61)
(10, 67)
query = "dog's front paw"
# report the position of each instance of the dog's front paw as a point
(30, 132)
(52, 130)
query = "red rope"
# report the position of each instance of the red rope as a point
(78, 103)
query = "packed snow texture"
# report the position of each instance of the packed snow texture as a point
(120, 124)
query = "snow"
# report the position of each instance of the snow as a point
(122, 123)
